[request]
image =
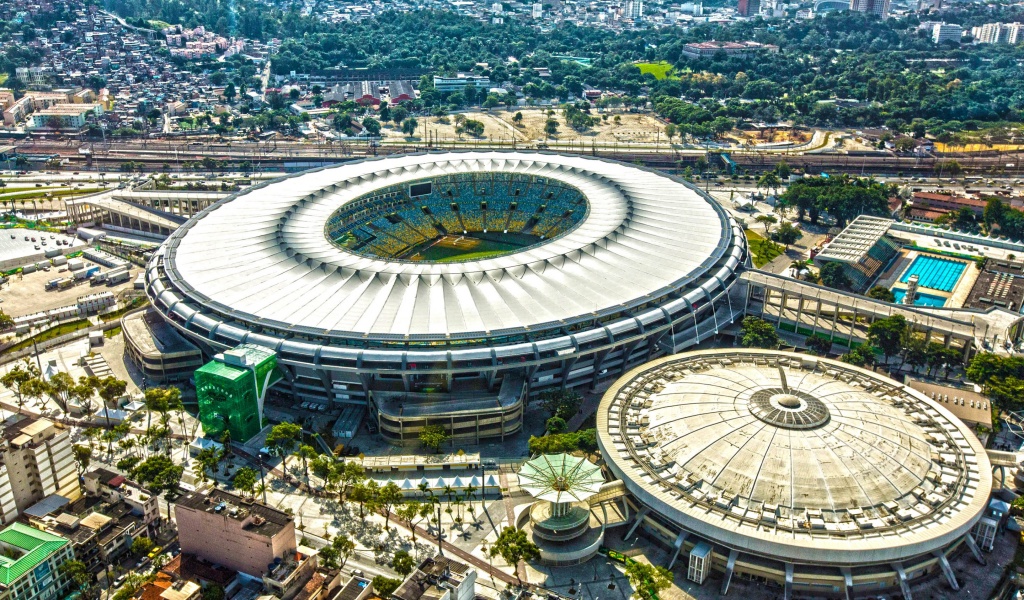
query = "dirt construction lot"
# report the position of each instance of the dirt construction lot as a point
(27, 294)
(615, 126)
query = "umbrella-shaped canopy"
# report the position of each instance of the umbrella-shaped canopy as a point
(560, 478)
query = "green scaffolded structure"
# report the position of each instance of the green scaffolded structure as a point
(231, 388)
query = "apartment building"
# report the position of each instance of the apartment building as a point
(946, 31)
(35, 461)
(873, 7)
(250, 535)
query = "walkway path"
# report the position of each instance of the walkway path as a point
(510, 513)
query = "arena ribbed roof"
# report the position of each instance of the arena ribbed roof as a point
(262, 255)
(793, 457)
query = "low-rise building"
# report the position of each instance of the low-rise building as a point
(251, 536)
(291, 573)
(460, 81)
(738, 49)
(439, 578)
(64, 116)
(30, 562)
(113, 488)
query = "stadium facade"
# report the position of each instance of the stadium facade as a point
(447, 288)
(821, 477)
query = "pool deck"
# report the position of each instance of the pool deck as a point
(954, 299)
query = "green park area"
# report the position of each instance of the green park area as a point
(764, 251)
(660, 70)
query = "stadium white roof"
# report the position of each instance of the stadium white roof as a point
(262, 255)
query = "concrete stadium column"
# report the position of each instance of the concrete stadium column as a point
(947, 570)
(817, 314)
(901, 577)
(973, 546)
(847, 582)
(835, 321)
(730, 566)
(782, 305)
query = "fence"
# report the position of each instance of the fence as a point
(8, 357)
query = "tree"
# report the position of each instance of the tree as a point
(648, 579)
(6, 321)
(337, 553)
(782, 170)
(881, 293)
(514, 546)
(889, 335)
(212, 592)
(398, 114)
(551, 127)
(767, 221)
(283, 438)
(433, 437)
(83, 456)
(245, 481)
(518, 118)
(384, 113)
(79, 573)
(769, 181)
(385, 586)
(817, 344)
(345, 547)
(409, 126)
(109, 390)
(561, 403)
(372, 126)
(141, 546)
(364, 493)
(786, 234)
(403, 563)
(555, 425)
(758, 333)
(306, 453)
(17, 377)
(388, 496)
(833, 276)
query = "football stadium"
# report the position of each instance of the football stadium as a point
(800, 472)
(446, 288)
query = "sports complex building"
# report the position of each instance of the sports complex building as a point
(446, 288)
(819, 477)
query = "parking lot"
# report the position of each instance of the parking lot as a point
(13, 244)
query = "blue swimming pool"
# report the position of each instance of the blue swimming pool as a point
(935, 273)
(921, 299)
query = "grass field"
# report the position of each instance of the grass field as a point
(764, 251)
(450, 248)
(3, 78)
(158, 25)
(660, 70)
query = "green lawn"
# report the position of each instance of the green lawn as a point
(660, 70)
(51, 333)
(3, 78)
(158, 25)
(764, 251)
